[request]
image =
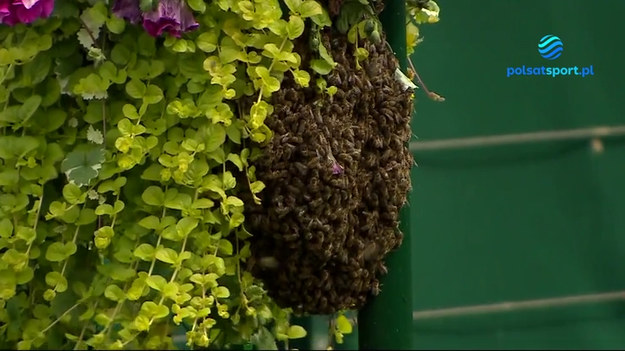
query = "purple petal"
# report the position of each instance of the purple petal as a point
(171, 16)
(47, 6)
(128, 9)
(337, 168)
(25, 16)
(187, 21)
(170, 9)
(21, 11)
(29, 3)
(4, 10)
(156, 27)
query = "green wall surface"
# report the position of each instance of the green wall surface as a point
(519, 222)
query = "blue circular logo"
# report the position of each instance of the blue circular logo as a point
(550, 47)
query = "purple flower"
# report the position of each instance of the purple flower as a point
(171, 16)
(128, 10)
(4, 10)
(24, 11)
(337, 168)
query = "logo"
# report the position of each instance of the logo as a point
(550, 47)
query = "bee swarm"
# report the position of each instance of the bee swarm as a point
(337, 173)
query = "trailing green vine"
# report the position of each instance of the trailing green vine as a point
(419, 12)
(124, 149)
(120, 153)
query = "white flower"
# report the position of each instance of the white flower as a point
(405, 81)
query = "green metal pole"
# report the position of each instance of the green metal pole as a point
(386, 321)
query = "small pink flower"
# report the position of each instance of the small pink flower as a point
(171, 16)
(24, 11)
(4, 10)
(337, 168)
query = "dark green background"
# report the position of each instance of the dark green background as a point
(528, 221)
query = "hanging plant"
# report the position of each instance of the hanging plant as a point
(141, 146)
(123, 152)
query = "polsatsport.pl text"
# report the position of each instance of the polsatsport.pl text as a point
(550, 71)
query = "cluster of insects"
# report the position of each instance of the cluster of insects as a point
(337, 173)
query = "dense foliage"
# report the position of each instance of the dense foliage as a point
(124, 151)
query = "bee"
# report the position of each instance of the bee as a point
(356, 91)
(375, 287)
(343, 257)
(290, 94)
(282, 211)
(291, 118)
(293, 190)
(301, 168)
(317, 117)
(314, 162)
(302, 127)
(316, 203)
(324, 276)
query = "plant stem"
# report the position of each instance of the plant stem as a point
(115, 215)
(74, 241)
(238, 261)
(84, 328)
(184, 245)
(88, 31)
(104, 122)
(72, 206)
(273, 62)
(107, 329)
(158, 242)
(6, 75)
(173, 276)
(60, 317)
(431, 95)
(36, 222)
(115, 312)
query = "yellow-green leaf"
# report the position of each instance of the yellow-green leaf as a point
(301, 77)
(225, 247)
(293, 5)
(156, 282)
(221, 292)
(154, 196)
(343, 324)
(114, 292)
(310, 8)
(295, 27)
(207, 41)
(166, 255)
(150, 222)
(72, 193)
(57, 281)
(135, 89)
(296, 332)
(145, 252)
